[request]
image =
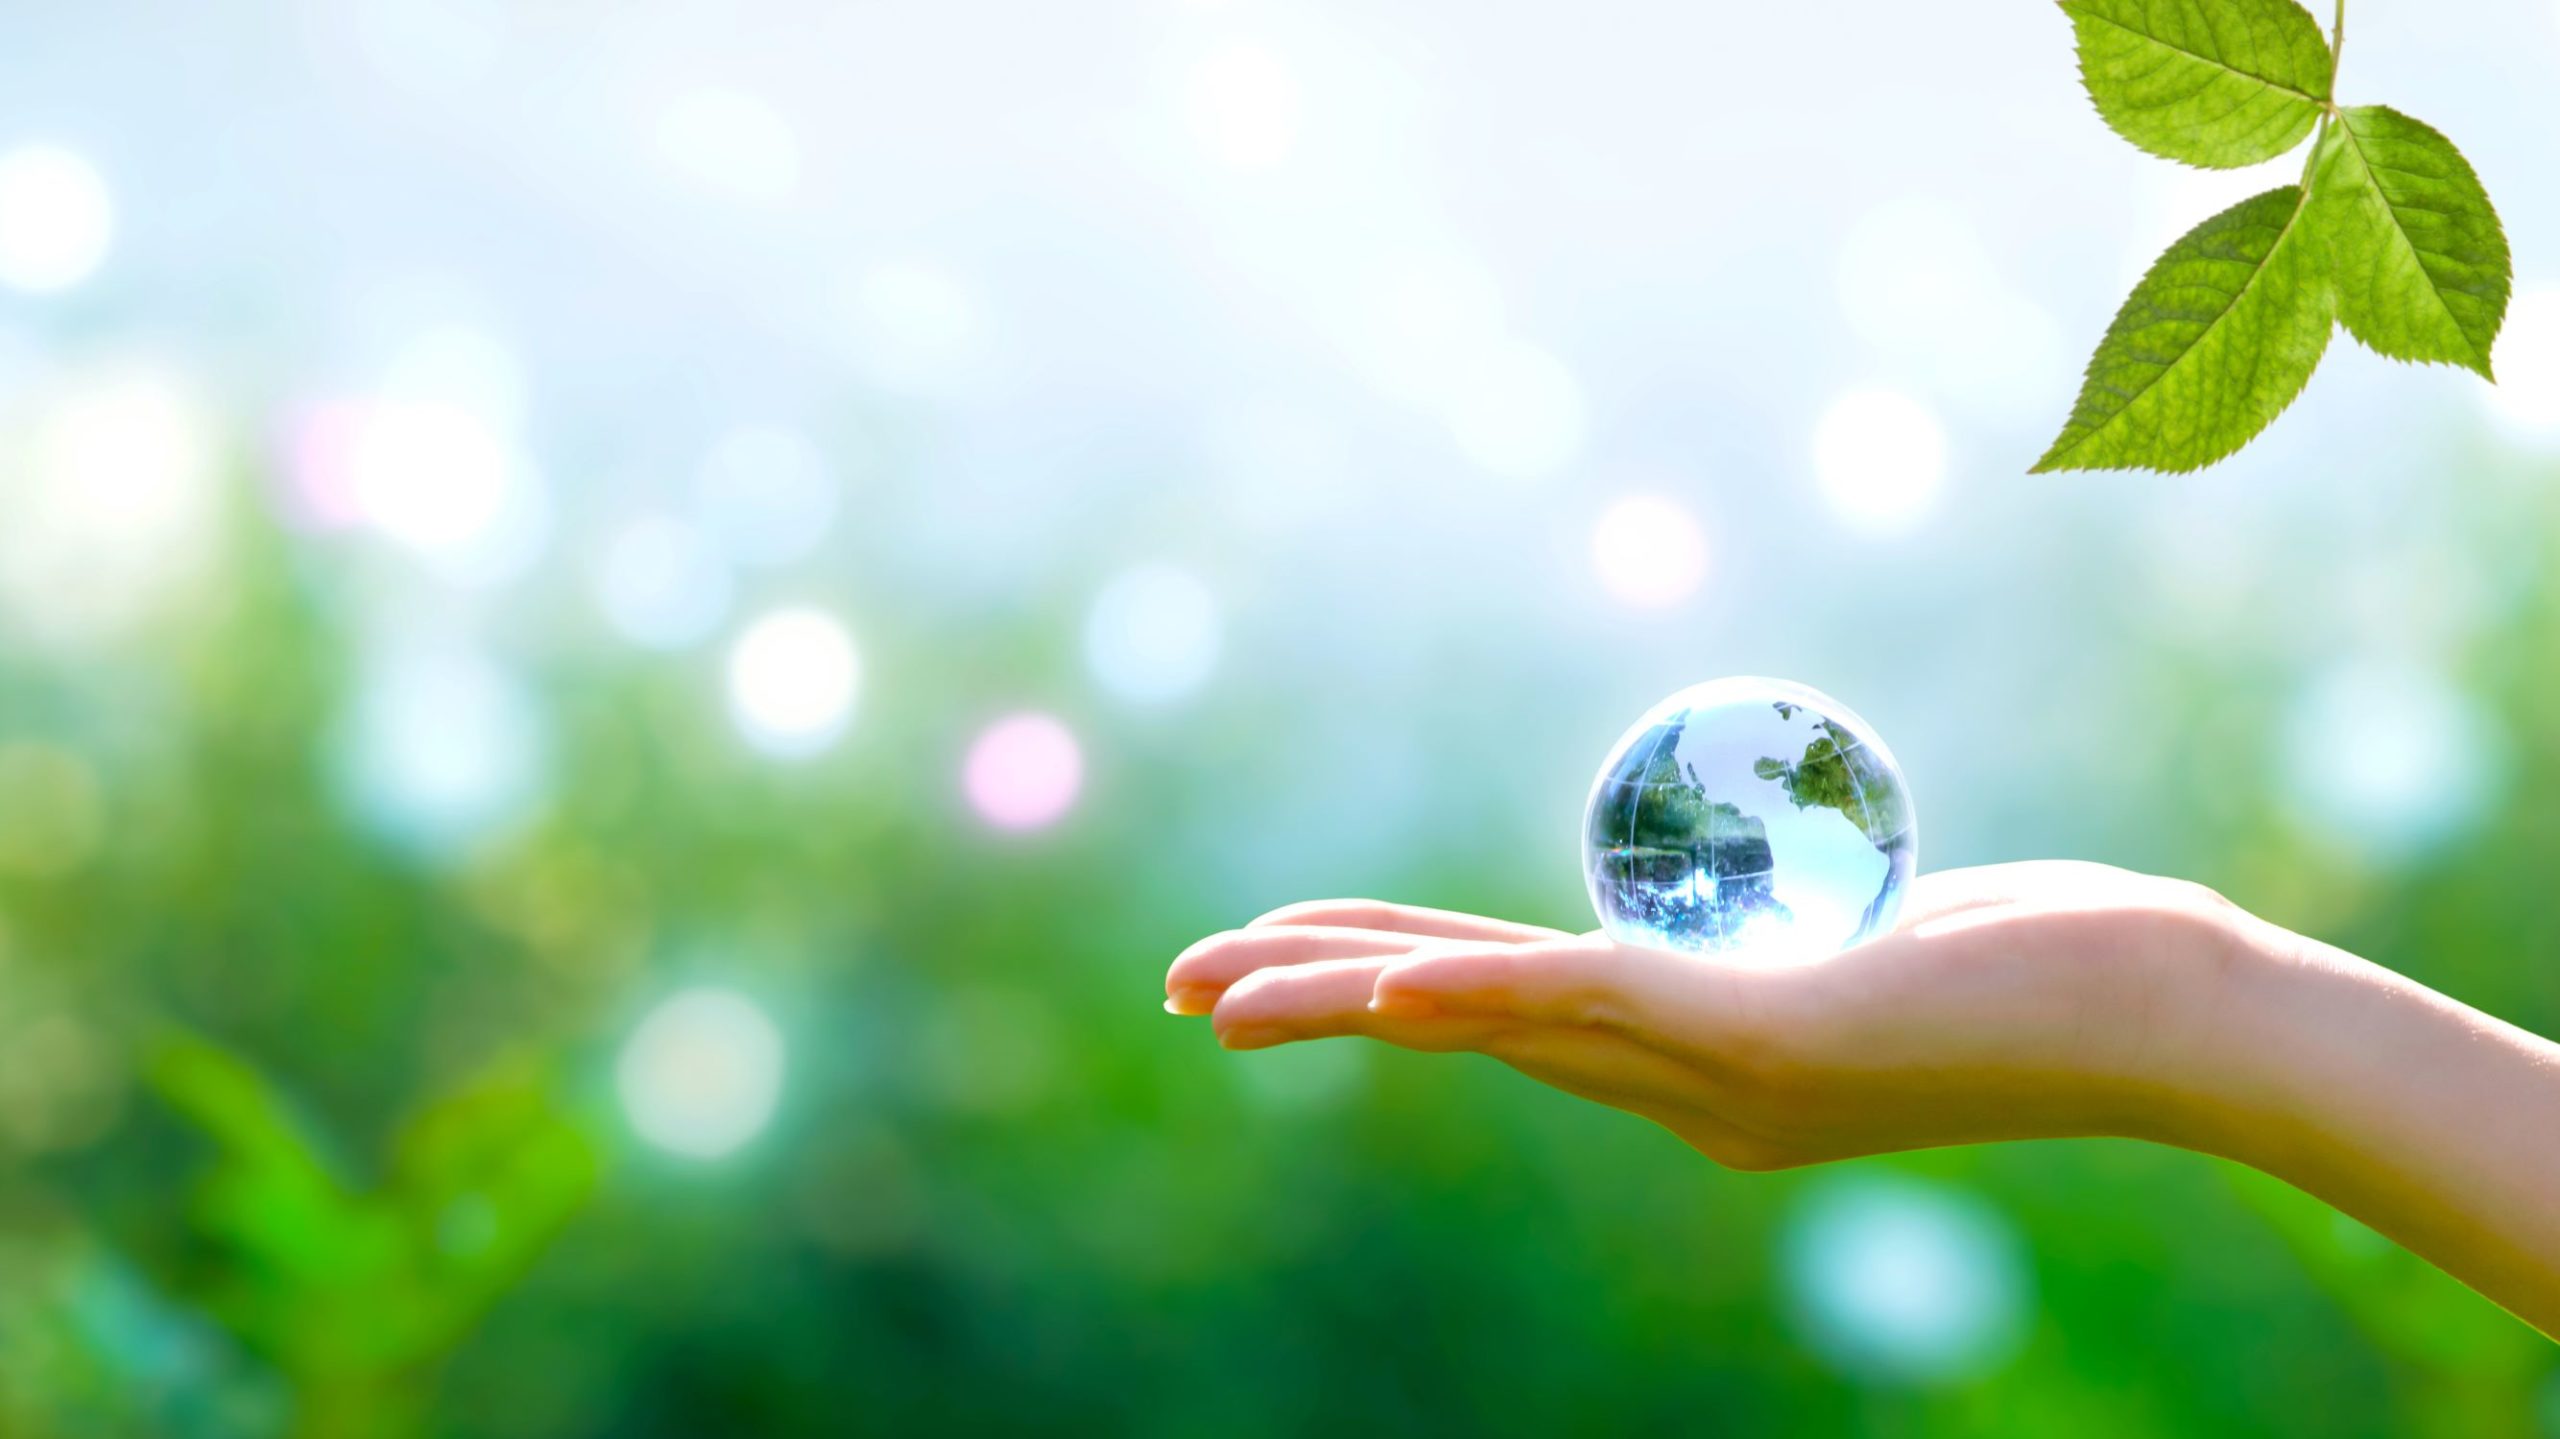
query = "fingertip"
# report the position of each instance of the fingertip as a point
(1203, 945)
(1191, 1000)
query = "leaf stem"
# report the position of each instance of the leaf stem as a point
(2337, 46)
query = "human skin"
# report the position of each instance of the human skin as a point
(2017, 1001)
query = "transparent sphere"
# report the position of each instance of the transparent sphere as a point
(1750, 817)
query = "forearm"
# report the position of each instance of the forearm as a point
(2424, 1118)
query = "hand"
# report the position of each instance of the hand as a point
(2014, 1001)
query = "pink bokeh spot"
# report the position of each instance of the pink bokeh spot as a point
(1023, 772)
(318, 491)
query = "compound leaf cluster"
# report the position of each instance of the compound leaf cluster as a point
(2389, 233)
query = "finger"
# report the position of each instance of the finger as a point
(1204, 971)
(1326, 998)
(1405, 919)
(1587, 981)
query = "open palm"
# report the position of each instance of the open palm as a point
(2013, 1001)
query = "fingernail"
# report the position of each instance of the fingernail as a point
(1192, 999)
(1402, 1006)
(1252, 1036)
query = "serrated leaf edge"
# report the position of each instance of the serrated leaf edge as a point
(2055, 459)
(2347, 132)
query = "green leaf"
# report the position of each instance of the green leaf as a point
(2217, 339)
(2220, 85)
(2418, 257)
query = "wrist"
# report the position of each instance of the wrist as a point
(2270, 1024)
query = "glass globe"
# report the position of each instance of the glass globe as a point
(1752, 818)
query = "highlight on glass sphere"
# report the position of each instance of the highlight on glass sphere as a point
(1752, 818)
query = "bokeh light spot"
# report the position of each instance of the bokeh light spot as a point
(1515, 410)
(1898, 1280)
(1024, 771)
(916, 327)
(732, 143)
(439, 481)
(2527, 362)
(767, 494)
(1918, 285)
(440, 748)
(659, 585)
(56, 219)
(1153, 635)
(2384, 761)
(702, 1074)
(113, 510)
(793, 677)
(1879, 456)
(1649, 551)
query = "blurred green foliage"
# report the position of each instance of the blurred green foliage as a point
(308, 1134)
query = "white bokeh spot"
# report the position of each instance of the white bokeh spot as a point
(1649, 551)
(56, 219)
(793, 677)
(2526, 398)
(701, 1075)
(110, 509)
(1880, 457)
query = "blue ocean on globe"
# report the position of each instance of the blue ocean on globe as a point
(1754, 818)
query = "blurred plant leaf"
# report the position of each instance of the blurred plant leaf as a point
(332, 1283)
(2219, 337)
(2219, 85)
(2417, 253)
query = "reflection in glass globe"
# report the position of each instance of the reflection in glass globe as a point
(1751, 817)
